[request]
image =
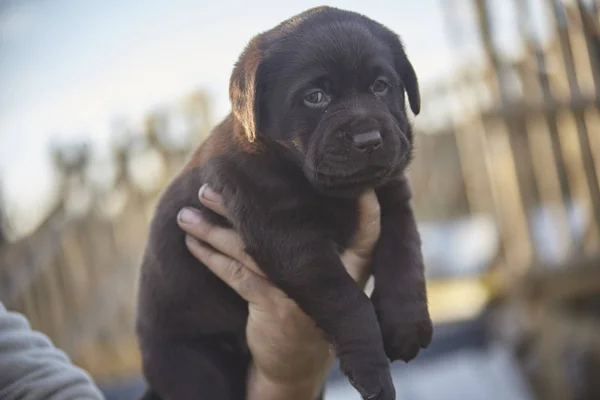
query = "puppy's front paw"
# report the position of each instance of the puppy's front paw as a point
(374, 384)
(405, 329)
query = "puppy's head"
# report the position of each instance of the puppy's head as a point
(329, 85)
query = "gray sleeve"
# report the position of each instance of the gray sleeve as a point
(31, 368)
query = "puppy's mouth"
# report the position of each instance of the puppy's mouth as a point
(337, 184)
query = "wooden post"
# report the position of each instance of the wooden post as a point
(479, 177)
(527, 195)
(559, 23)
(533, 47)
(591, 32)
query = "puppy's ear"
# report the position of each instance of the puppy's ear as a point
(411, 83)
(406, 72)
(244, 89)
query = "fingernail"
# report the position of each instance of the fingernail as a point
(188, 216)
(208, 194)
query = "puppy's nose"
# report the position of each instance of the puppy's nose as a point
(367, 141)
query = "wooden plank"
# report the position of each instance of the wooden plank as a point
(550, 178)
(66, 287)
(54, 305)
(591, 33)
(542, 90)
(480, 183)
(526, 194)
(75, 266)
(515, 227)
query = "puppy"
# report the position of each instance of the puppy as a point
(318, 116)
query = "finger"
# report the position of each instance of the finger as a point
(249, 285)
(212, 200)
(369, 225)
(225, 240)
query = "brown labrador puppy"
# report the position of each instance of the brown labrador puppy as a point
(318, 116)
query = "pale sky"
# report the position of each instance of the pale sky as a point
(68, 66)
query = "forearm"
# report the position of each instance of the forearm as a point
(31, 367)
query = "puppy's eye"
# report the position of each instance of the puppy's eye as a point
(380, 86)
(315, 99)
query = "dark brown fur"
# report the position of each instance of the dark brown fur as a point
(290, 175)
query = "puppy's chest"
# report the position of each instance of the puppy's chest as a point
(339, 219)
(285, 196)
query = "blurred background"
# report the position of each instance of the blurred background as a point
(102, 101)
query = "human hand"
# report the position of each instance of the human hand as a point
(290, 355)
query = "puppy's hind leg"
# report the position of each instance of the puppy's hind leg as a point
(194, 370)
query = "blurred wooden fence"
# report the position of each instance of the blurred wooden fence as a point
(74, 277)
(527, 130)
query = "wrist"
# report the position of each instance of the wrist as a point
(262, 387)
